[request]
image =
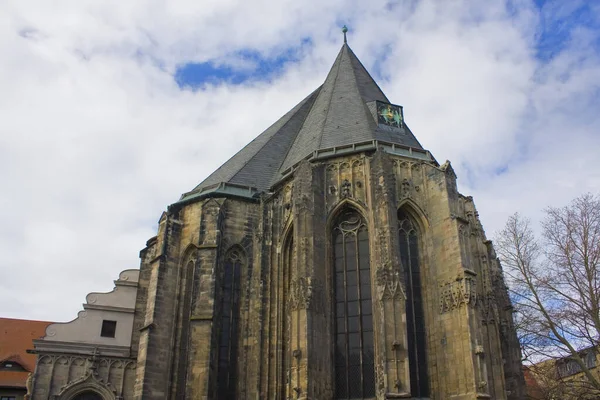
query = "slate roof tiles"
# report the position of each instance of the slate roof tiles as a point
(16, 337)
(336, 114)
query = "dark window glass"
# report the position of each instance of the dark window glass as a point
(230, 309)
(367, 322)
(590, 359)
(353, 324)
(109, 328)
(11, 366)
(82, 396)
(415, 320)
(366, 307)
(354, 361)
(352, 308)
(352, 293)
(365, 291)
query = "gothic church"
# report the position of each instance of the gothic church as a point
(331, 258)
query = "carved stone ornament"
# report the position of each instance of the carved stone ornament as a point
(380, 377)
(489, 308)
(303, 294)
(346, 189)
(447, 168)
(406, 188)
(304, 204)
(89, 381)
(389, 284)
(152, 252)
(286, 201)
(457, 293)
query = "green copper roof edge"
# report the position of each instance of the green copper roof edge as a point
(222, 189)
(388, 147)
(225, 189)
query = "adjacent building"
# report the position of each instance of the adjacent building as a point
(16, 364)
(563, 378)
(91, 357)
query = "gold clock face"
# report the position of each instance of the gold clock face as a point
(389, 114)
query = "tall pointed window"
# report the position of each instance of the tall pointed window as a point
(289, 257)
(228, 339)
(354, 354)
(415, 319)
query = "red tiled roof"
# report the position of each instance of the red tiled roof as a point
(531, 384)
(13, 379)
(16, 336)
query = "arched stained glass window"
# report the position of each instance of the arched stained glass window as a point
(415, 319)
(228, 338)
(354, 354)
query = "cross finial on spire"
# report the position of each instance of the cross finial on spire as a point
(345, 29)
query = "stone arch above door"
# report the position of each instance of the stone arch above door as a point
(87, 386)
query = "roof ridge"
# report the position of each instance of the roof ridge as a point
(306, 99)
(17, 359)
(368, 116)
(222, 174)
(335, 117)
(368, 74)
(303, 120)
(24, 320)
(337, 74)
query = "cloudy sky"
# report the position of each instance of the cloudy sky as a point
(109, 110)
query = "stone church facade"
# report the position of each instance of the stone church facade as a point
(331, 258)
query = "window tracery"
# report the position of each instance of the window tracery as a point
(228, 338)
(289, 260)
(354, 350)
(415, 318)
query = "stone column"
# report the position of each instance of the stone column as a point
(154, 354)
(201, 362)
(389, 298)
(310, 337)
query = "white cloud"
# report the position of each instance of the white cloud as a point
(96, 138)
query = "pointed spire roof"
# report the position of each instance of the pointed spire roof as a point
(337, 118)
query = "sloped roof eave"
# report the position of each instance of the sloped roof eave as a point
(341, 113)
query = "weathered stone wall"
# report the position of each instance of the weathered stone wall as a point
(285, 347)
(74, 357)
(63, 376)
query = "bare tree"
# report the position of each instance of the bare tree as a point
(555, 288)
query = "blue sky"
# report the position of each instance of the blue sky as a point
(557, 26)
(248, 65)
(554, 33)
(112, 109)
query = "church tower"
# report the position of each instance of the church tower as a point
(331, 258)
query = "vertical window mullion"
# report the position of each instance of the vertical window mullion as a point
(414, 291)
(346, 327)
(230, 293)
(233, 325)
(409, 248)
(352, 374)
(360, 314)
